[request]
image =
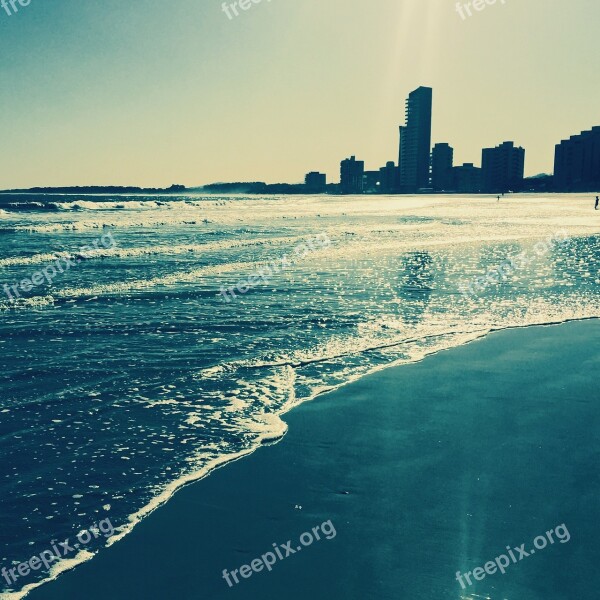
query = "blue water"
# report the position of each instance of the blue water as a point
(130, 373)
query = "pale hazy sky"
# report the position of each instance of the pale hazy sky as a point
(154, 92)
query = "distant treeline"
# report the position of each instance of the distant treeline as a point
(538, 183)
(98, 189)
(259, 187)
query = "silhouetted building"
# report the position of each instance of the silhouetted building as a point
(503, 168)
(351, 176)
(316, 182)
(577, 163)
(415, 141)
(371, 182)
(538, 183)
(467, 179)
(442, 158)
(388, 176)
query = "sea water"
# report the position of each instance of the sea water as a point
(130, 373)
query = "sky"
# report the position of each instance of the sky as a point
(156, 92)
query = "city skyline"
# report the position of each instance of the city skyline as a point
(426, 165)
(137, 95)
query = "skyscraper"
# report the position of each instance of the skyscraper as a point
(415, 141)
(351, 176)
(442, 158)
(503, 168)
(577, 163)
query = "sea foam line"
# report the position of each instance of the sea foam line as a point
(164, 250)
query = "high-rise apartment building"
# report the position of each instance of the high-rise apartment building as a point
(577, 163)
(503, 168)
(352, 175)
(388, 176)
(415, 141)
(466, 179)
(442, 159)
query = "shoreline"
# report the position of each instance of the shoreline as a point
(236, 470)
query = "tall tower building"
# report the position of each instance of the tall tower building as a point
(415, 141)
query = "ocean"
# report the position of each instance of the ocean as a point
(133, 367)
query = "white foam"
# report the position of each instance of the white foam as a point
(160, 250)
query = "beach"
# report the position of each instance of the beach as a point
(284, 315)
(424, 470)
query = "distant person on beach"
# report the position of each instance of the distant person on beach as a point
(597, 202)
